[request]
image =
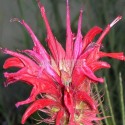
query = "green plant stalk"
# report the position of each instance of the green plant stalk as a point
(121, 99)
(101, 106)
(109, 103)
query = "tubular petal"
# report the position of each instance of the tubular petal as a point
(104, 33)
(93, 56)
(77, 77)
(99, 65)
(107, 29)
(50, 38)
(38, 48)
(90, 36)
(45, 65)
(31, 98)
(38, 104)
(86, 53)
(89, 73)
(13, 77)
(69, 36)
(26, 61)
(36, 57)
(61, 51)
(68, 100)
(119, 56)
(52, 42)
(83, 96)
(54, 75)
(41, 84)
(78, 41)
(13, 62)
(59, 116)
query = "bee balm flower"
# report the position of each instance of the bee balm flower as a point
(62, 77)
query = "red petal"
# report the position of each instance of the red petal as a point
(83, 96)
(99, 65)
(107, 29)
(68, 100)
(38, 47)
(61, 51)
(69, 36)
(104, 33)
(32, 66)
(59, 116)
(36, 57)
(38, 104)
(53, 44)
(78, 43)
(34, 93)
(13, 77)
(77, 77)
(119, 56)
(89, 73)
(44, 65)
(13, 62)
(54, 75)
(86, 53)
(93, 56)
(42, 84)
(90, 36)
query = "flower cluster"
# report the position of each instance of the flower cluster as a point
(63, 78)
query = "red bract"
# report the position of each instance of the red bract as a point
(63, 78)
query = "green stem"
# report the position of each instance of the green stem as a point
(122, 99)
(101, 105)
(109, 103)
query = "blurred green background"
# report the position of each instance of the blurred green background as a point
(96, 12)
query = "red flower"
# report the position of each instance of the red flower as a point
(63, 78)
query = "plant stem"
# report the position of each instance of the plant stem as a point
(109, 102)
(122, 99)
(101, 106)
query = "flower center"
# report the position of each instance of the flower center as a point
(65, 77)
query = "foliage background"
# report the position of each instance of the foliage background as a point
(96, 12)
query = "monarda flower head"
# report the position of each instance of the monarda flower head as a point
(62, 77)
